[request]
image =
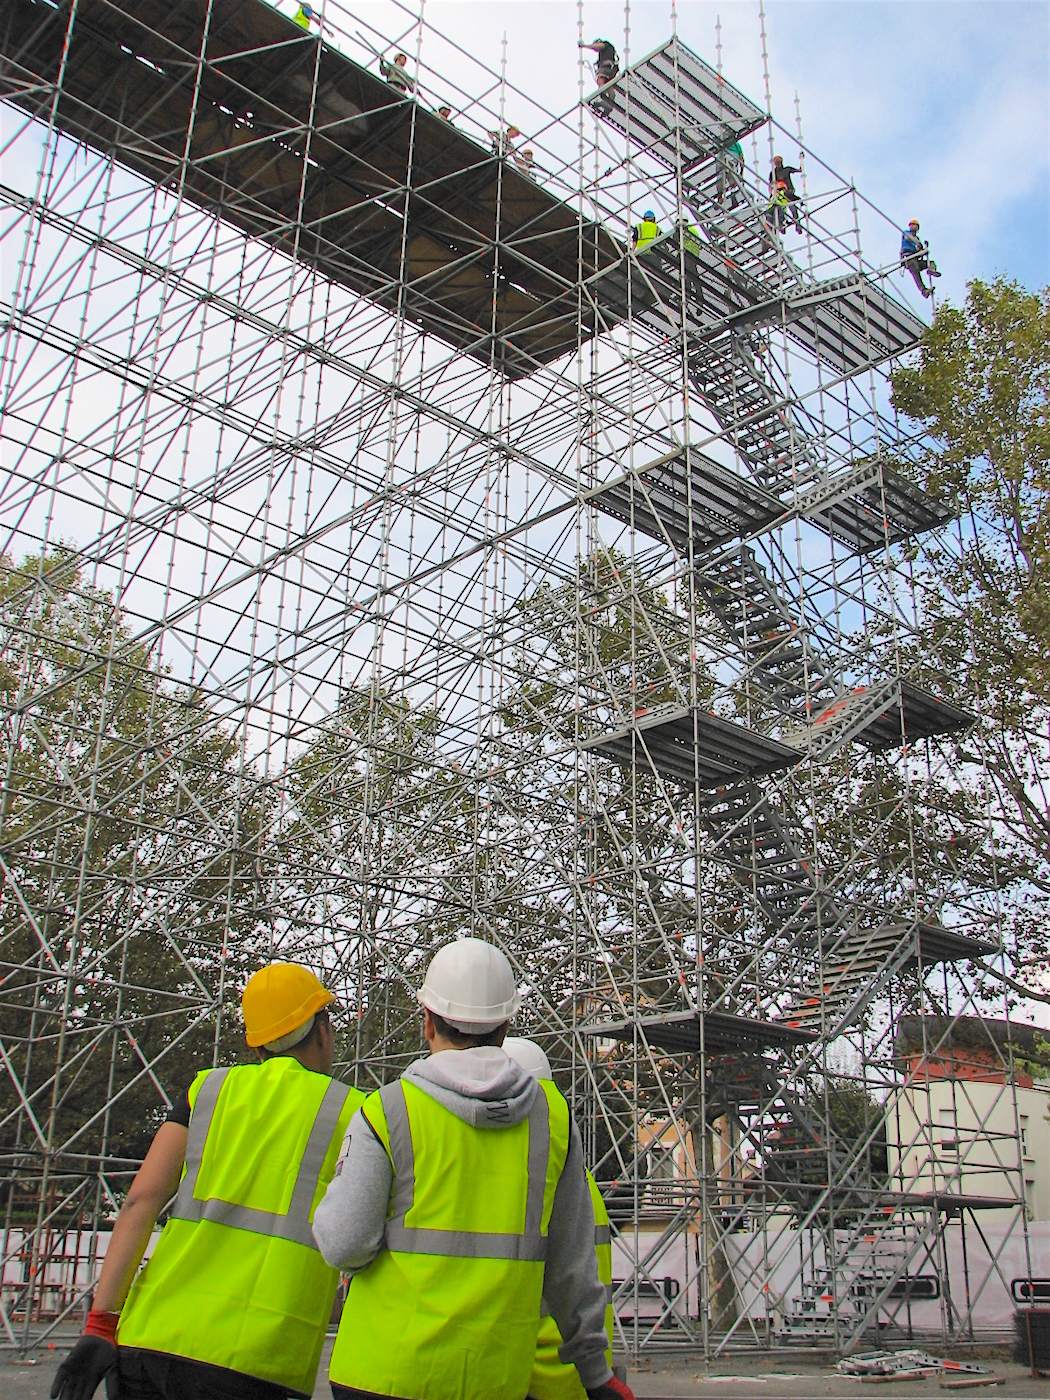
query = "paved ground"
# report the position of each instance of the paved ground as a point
(787, 1379)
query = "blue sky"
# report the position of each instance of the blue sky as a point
(939, 111)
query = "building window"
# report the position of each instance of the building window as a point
(949, 1133)
(1024, 1135)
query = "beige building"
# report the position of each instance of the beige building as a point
(971, 1117)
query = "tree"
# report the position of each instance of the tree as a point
(131, 842)
(978, 396)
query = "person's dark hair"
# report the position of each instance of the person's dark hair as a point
(463, 1040)
(321, 1018)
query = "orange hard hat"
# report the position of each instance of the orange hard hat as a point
(278, 999)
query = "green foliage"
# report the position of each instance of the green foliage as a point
(374, 848)
(979, 392)
(131, 846)
(978, 396)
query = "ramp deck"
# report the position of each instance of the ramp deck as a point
(127, 90)
(687, 746)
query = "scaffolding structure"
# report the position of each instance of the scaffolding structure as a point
(391, 551)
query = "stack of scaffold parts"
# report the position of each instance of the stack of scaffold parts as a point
(881, 1367)
(1032, 1335)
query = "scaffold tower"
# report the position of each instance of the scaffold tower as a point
(396, 547)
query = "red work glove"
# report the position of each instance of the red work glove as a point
(92, 1360)
(612, 1390)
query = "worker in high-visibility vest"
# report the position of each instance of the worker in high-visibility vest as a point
(551, 1378)
(648, 231)
(235, 1298)
(460, 1202)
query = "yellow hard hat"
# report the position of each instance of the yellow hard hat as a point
(278, 999)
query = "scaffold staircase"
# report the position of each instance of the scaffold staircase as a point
(768, 634)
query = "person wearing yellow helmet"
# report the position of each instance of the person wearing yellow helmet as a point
(235, 1299)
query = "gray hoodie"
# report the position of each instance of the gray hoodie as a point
(486, 1088)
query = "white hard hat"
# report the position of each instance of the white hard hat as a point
(529, 1055)
(470, 984)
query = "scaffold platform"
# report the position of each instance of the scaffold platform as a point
(917, 714)
(673, 87)
(677, 108)
(880, 716)
(872, 506)
(687, 496)
(371, 152)
(935, 944)
(679, 1033)
(690, 746)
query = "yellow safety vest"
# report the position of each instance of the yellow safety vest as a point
(551, 1380)
(648, 232)
(236, 1279)
(450, 1307)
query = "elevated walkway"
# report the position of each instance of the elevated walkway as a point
(128, 91)
(643, 102)
(686, 496)
(872, 506)
(689, 746)
(861, 960)
(882, 716)
(679, 1033)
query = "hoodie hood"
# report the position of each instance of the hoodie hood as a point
(482, 1085)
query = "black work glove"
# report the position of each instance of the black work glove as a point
(91, 1361)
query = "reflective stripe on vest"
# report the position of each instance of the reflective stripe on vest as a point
(293, 1226)
(530, 1246)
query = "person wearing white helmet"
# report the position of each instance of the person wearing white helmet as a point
(551, 1378)
(459, 1202)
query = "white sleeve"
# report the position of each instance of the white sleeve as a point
(349, 1222)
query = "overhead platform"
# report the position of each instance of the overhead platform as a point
(686, 746)
(935, 945)
(881, 716)
(930, 944)
(849, 323)
(872, 506)
(644, 100)
(128, 91)
(685, 497)
(723, 1033)
(947, 1202)
(919, 715)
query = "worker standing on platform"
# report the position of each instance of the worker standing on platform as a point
(235, 1300)
(780, 178)
(731, 174)
(502, 143)
(396, 73)
(648, 231)
(915, 257)
(459, 1202)
(551, 1378)
(607, 62)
